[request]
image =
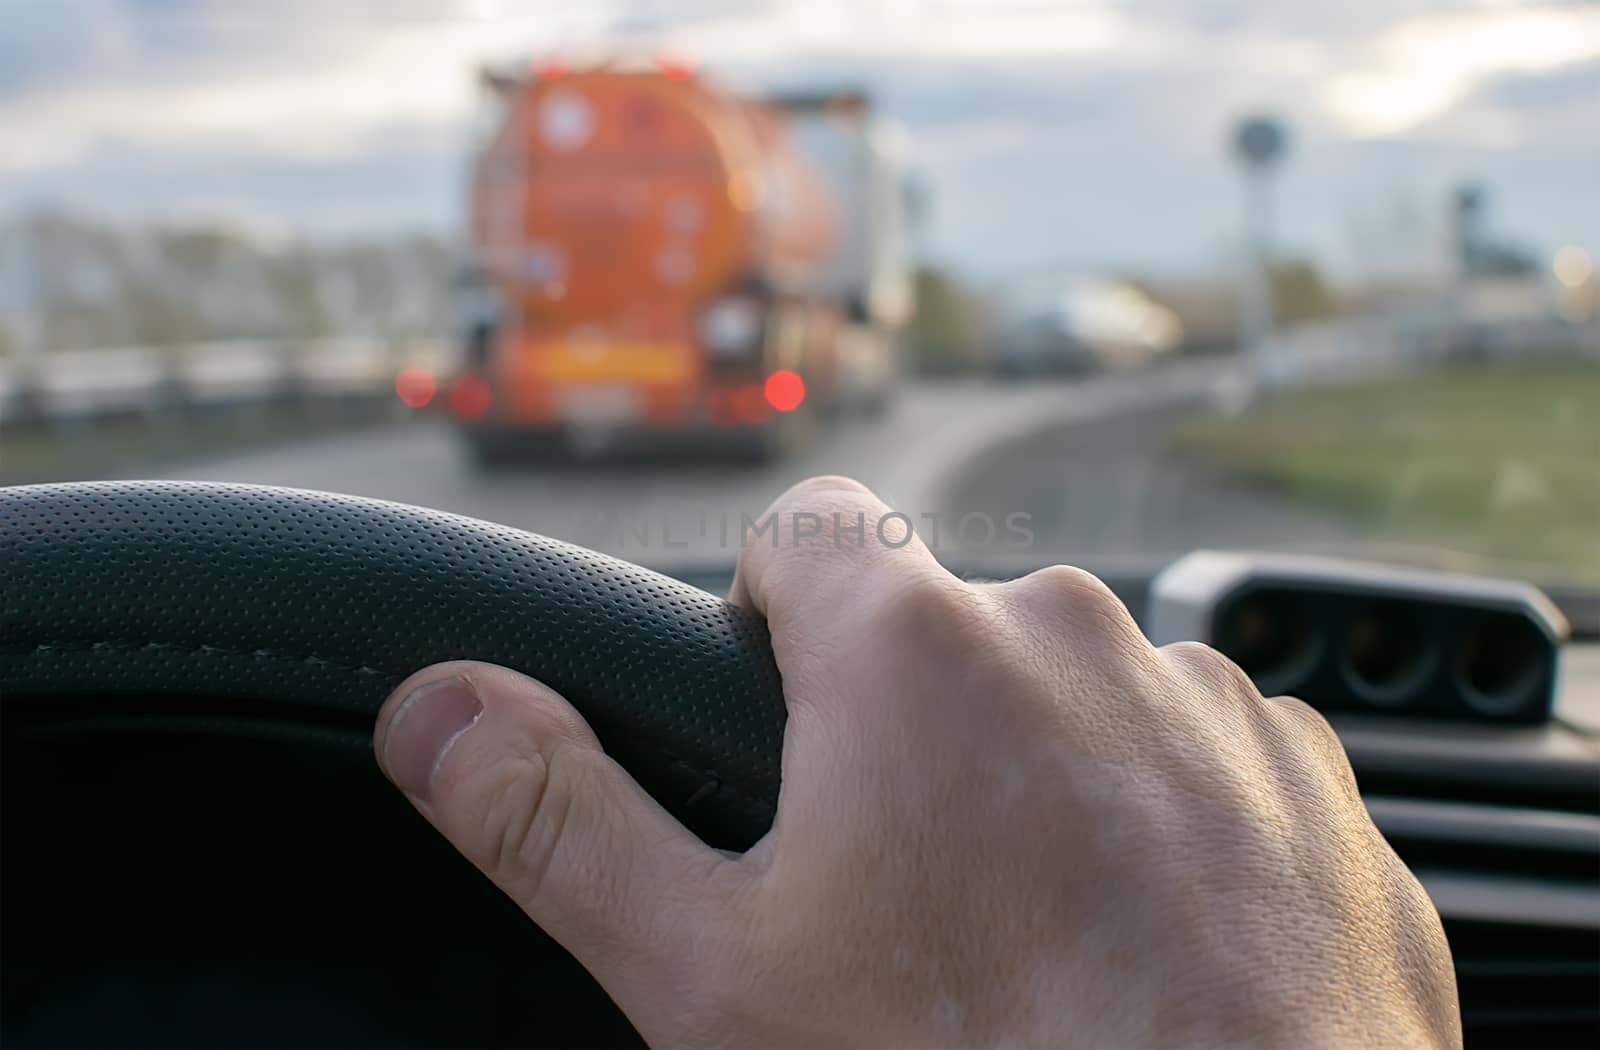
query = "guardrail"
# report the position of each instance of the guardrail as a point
(87, 384)
(1414, 334)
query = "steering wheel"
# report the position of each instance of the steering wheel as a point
(198, 846)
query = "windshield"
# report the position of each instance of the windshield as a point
(1092, 281)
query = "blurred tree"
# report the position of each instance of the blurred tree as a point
(296, 288)
(946, 328)
(368, 279)
(197, 251)
(1299, 292)
(92, 284)
(160, 319)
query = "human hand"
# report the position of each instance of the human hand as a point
(1005, 820)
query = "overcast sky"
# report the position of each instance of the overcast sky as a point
(1079, 132)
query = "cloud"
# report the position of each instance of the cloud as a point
(1084, 130)
(292, 79)
(1421, 67)
(403, 182)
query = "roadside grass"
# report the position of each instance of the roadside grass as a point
(125, 445)
(1498, 460)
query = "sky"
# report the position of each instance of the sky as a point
(1082, 133)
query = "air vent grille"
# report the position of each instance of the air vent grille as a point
(1533, 847)
(1519, 893)
(1527, 985)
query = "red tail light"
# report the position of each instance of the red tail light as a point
(470, 398)
(415, 387)
(785, 390)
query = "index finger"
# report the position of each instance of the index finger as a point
(826, 547)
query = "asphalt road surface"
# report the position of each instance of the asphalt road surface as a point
(1117, 488)
(961, 459)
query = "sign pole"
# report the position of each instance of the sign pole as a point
(1259, 143)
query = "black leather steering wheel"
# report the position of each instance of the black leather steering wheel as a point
(321, 604)
(142, 610)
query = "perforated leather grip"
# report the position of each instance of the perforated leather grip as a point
(312, 607)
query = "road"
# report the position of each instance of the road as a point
(962, 459)
(1118, 489)
(920, 457)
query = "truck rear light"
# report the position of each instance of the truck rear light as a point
(415, 387)
(785, 390)
(470, 398)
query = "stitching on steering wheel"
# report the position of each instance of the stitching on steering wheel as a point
(45, 649)
(712, 782)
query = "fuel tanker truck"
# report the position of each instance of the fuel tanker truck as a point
(658, 261)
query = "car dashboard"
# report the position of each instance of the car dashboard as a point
(244, 886)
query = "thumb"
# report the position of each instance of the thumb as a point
(511, 774)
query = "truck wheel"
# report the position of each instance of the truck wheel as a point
(487, 449)
(497, 449)
(760, 450)
(786, 435)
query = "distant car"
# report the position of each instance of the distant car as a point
(1079, 326)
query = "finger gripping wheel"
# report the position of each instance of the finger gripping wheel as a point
(318, 605)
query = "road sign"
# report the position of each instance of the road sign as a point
(1260, 140)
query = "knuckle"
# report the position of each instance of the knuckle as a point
(1206, 663)
(1310, 736)
(829, 517)
(813, 505)
(1305, 717)
(1310, 726)
(1068, 593)
(1190, 653)
(822, 486)
(1071, 583)
(1064, 604)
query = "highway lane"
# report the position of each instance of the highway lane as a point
(676, 512)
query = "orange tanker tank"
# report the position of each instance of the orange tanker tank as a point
(650, 242)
